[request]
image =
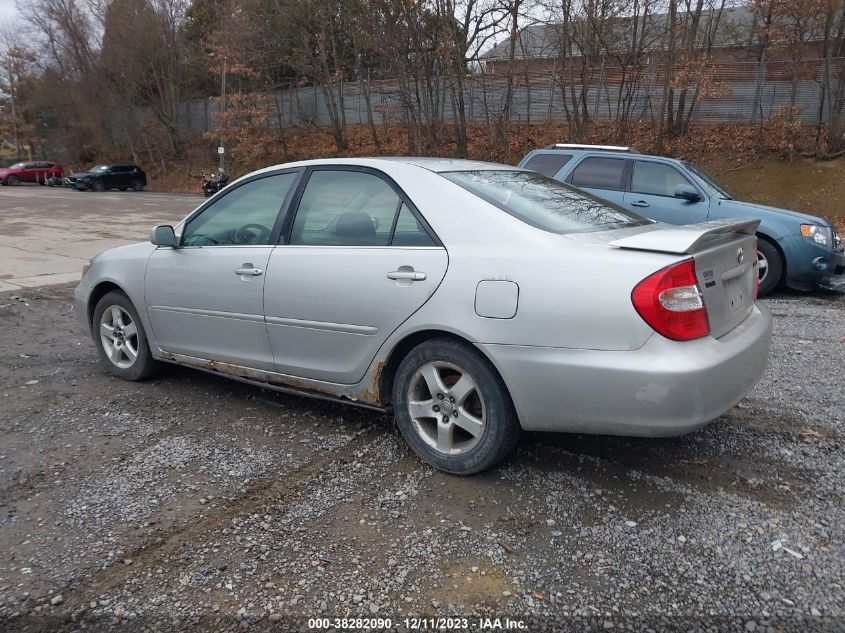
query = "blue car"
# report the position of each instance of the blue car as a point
(796, 249)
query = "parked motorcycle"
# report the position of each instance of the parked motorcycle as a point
(55, 181)
(211, 185)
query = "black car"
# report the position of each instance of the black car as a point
(102, 177)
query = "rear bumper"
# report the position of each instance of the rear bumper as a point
(664, 388)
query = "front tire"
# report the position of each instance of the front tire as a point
(13, 181)
(98, 186)
(453, 408)
(121, 339)
(769, 266)
(137, 185)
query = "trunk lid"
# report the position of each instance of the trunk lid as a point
(725, 264)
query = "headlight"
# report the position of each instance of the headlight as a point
(822, 235)
(86, 267)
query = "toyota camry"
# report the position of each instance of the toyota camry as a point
(472, 300)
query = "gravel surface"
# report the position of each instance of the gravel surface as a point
(192, 502)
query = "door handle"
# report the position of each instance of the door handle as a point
(410, 275)
(640, 203)
(248, 270)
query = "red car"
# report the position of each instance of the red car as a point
(31, 171)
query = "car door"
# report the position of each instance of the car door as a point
(30, 173)
(205, 297)
(45, 170)
(118, 176)
(127, 175)
(358, 261)
(36, 172)
(652, 194)
(601, 176)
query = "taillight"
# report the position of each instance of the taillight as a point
(670, 302)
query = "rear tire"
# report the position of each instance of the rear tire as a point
(453, 408)
(137, 185)
(121, 339)
(770, 266)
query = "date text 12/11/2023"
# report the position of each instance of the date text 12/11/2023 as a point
(419, 624)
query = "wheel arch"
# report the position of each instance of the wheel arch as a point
(98, 292)
(774, 243)
(404, 346)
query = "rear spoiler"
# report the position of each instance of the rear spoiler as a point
(686, 238)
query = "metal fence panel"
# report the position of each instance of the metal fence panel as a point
(734, 92)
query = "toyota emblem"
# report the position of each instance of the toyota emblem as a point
(739, 255)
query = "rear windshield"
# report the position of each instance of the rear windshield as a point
(544, 203)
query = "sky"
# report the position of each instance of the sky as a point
(8, 10)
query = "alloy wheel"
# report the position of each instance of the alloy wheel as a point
(446, 407)
(119, 336)
(762, 266)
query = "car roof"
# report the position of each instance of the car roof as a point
(580, 151)
(431, 164)
(446, 164)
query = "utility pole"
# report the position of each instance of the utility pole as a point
(10, 70)
(222, 149)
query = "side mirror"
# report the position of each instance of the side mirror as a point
(687, 192)
(163, 235)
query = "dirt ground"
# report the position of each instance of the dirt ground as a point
(194, 502)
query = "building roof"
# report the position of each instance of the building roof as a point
(734, 27)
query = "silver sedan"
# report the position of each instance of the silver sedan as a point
(473, 300)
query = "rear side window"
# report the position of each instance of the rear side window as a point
(543, 202)
(409, 231)
(345, 208)
(547, 164)
(656, 179)
(599, 173)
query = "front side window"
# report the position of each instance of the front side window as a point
(599, 173)
(656, 179)
(543, 202)
(547, 164)
(345, 208)
(242, 217)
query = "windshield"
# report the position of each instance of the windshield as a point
(544, 203)
(18, 166)
(713, 188)
(99, 168)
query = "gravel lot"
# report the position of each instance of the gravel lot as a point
(192, 501)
